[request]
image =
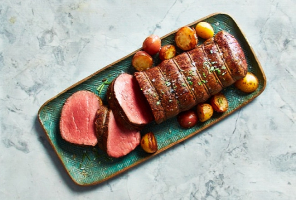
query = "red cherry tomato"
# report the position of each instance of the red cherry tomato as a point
(187, 119)
(152, 44)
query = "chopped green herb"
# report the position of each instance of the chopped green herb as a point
(101, 87)
(190, 82)
(223, 67)
(167, 83)
(183, 84)
(220, 101)
(158, 103)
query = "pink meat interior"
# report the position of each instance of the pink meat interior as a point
(132, 100)
(121, 140)
(77, 118)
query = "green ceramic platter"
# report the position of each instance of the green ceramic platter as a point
(90, 165)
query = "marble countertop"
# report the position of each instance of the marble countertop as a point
(46, 46)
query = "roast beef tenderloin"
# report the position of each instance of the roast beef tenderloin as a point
(151, 95)
(207, 69)
(188, 69)
(219, 67)
(114, 138)
(206, 74)
(165, 91)
(77, 118)
(128, 103)
(172, 74)
(232, 53)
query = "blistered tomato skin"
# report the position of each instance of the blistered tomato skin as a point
(152, 44)
(149, 143)
(187, 119)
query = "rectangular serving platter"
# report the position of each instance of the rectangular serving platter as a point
(90, 165)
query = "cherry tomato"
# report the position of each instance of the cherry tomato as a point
(187, 119)
(149, 143)
(204, 30)
(152, 44)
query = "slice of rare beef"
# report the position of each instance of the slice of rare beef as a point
(77, 118)
(114, 138)
(128, 103)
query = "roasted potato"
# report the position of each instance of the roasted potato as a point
(187, 119)
(152, 44)
(204, 30)
(167, 52)
(204, 111)
(186, 38)
(247, 84)
(219, 102)
(149, 143)
(142, 61)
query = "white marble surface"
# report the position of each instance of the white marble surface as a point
(46, 46)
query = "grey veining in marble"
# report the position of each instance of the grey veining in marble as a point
(48, 45)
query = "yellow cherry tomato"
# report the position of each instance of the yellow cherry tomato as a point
(204, 30)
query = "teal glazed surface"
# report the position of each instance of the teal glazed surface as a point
(90, 165)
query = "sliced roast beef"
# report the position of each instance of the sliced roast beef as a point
(114, 138)
(151, 96)
(128, 103)
(232, 53)
(165, 92)
(219, 67)
(185, 98)
(77, 118)
(205, 71)
(188, 69)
